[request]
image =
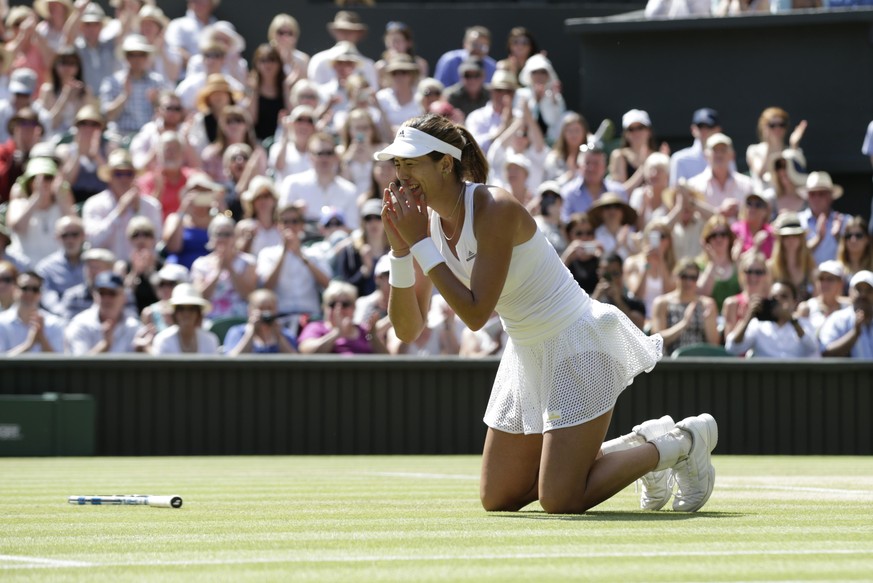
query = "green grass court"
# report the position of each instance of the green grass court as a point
(419, 519)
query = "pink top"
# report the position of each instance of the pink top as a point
(743, 233)
(359, 345)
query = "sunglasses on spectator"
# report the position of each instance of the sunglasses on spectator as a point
(705, 126)
(369, 218)
(776, 124)
(285, 32)
(755, 272)
(717, 234)
(223, 234)
(431, 92)
(176, 108)
(472, 75)
(7, 279)
(333, 223)
(137, 55)
(110, 293)
(71, 234)
(213, 55)
(142, 235)
(323, 153)
(34, 289)
(305, 119)
(582, 233)
(166, 283)
(88, 124)
(688, 277)
(187, 309)
(855, 235)
(756, 204)
(341, 303)
(291, 221)
(122, 173)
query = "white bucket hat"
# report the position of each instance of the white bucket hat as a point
(185, 294)
(820, 181)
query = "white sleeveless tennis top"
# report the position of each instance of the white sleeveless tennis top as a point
(539, 298)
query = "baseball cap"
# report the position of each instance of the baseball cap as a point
(636, 116)
(22, 81)
(705, 116)
(832, 267)
(108, 280)
(371, 207)
(719, 139)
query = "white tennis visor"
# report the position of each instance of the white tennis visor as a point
(412, 143)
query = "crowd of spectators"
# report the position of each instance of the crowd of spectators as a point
(163, 195)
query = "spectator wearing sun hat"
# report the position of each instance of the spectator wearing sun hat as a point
(103, 327)
(152, 24)
(613, 220)
(187, 335)
(214, 56)
(849, 332)
(489, 121)
(128, 95)
(828, 299)
(107, 214)
(541, 88)
(346, 27)
(224, 34)
(96, 51)
(824, 225)
(159, 315)
(397, 100)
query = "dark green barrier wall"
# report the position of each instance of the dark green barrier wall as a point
(263, 405)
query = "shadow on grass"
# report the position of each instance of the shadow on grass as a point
(617, 516)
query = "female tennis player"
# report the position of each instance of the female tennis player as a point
(568, 357)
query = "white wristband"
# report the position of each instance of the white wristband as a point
(427, 254)
(402, 272)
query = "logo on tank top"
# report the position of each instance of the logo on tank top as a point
(471, 255)
(552, 415)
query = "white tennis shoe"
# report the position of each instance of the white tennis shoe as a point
(695, 475)
(655, 487)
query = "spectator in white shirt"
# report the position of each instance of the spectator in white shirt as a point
(345, 28)
(724, 188)
(183, 33)
(103, 327)
(322, 186)
(488, 122)
(294, 272)
(187, 335)
(26, 327)
(770, 329)
(107, 214)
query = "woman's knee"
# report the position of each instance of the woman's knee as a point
(555, 502)
(494, 500)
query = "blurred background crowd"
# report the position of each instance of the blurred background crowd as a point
(162, 193)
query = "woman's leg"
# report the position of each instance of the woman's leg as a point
(573, 478)
(510, 470)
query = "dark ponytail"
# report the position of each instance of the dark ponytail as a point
(473, 165)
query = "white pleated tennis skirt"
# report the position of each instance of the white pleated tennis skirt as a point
(572, 377)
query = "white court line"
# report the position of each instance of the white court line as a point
(841, 491)
(798, 489)
(39, 562)
(408, 558)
